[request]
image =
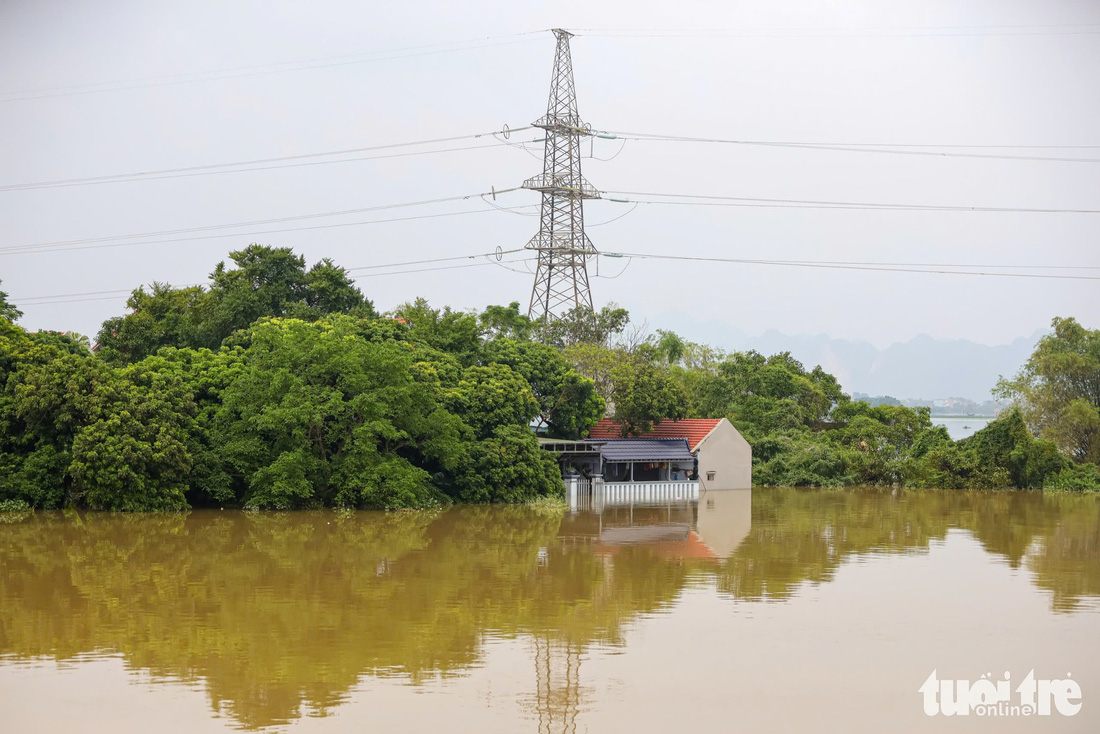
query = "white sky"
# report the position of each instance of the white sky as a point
(1004, 73)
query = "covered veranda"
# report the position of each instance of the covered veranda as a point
(647, 460)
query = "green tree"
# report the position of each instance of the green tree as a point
(669, 346)
(265, 282)
(454, 332)
(638, 392)
(488, 397)
(506, 321)
(7, 310)
(1075, 477)
(1006, 444)
(644, 395)
(567, 401)
(880, 443)
(96, 436)
(134, 455)
(582, 325)
(508, 466)
(1058, 390)
(321, 416)
(764, 394)
(164, 316)
(205, 375)
(329, 290)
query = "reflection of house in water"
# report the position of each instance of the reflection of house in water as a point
(709, 527)
(724, 519)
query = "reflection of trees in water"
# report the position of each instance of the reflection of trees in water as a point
(280, 614)
(277, 611)
(804, 535)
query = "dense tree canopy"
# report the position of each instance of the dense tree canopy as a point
(278, 386)
(567, 401)
(637, 391)
(266, 282)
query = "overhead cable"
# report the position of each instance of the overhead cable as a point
(891, 149)
(849, 266)
(497, 258)
(898, 32)
(276, 68)
(260, 164)
(746, 201)
(67, 244)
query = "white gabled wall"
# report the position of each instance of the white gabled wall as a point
(725, 452)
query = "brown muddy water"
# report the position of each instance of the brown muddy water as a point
(770, 610)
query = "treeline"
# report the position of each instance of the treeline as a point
(805, 431)
(279, 386)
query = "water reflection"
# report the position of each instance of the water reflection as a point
(281, 614)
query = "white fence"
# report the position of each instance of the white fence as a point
(596, 494)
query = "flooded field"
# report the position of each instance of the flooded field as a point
(769, 610)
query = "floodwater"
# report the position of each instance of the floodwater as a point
(961, 427)
(767, 610)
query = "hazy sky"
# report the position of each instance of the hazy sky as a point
(958, 72)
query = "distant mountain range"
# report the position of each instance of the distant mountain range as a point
(922, 367)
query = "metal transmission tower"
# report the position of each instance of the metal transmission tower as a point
(561, 280)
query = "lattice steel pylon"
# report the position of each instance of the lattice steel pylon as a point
(561, 279)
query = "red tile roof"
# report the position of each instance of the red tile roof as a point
(693, 429)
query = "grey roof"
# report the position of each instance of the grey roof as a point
(646, 449)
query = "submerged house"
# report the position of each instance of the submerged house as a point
(626, 470)
(724, 456)
(674, 461)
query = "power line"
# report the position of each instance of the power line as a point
(436, 260)
(930, 268)
(278, 68)
(838, 265)
(75, 297)
(106, 295)
(66, 244)
(916, 32)
(258, 163)
(522, 37)
(269, 231)
(891, 149)
(449, 267)
(824, 204)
